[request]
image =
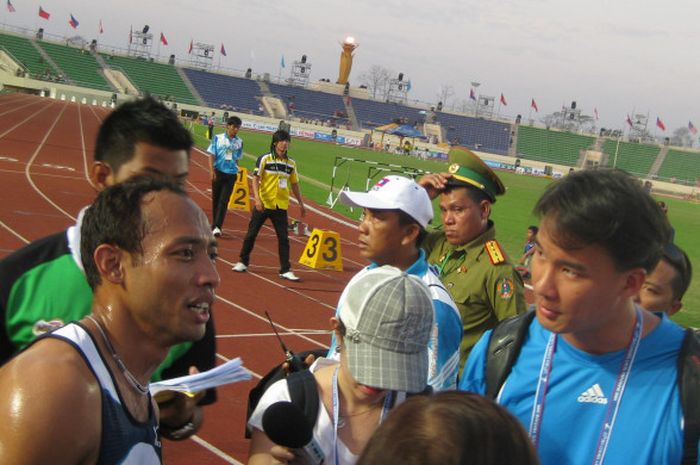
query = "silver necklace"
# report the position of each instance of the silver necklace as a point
(140, 388)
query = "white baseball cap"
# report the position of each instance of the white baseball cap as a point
(394, 193)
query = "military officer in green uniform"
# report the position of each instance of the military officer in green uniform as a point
(483, 282)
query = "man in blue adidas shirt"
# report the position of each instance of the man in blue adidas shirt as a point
(396, 212)
(225, 150)
(596, 377)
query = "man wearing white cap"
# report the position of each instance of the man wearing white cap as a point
(396, 213)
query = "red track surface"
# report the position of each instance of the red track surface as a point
(45, 147)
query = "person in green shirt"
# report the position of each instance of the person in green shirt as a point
(473, 266)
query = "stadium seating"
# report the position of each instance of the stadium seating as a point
(550, 146)
(681, 165)
(476, 133)
(152, 77)
(633, 158)
(79, 65)
(23, 51)
(371, 113)
(219, 90)
(310, 104)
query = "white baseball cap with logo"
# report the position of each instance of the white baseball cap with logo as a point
(394, 193)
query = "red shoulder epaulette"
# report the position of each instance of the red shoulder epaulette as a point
(495, 252)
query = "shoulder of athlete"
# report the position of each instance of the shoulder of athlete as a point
(45, 386)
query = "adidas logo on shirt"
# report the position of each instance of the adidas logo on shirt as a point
(594, 395)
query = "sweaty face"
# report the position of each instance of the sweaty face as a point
(170, 286)
(656, 294)
(381, 236)
(152, 160)
(579, 292)
(463, 219)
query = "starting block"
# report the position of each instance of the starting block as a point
(240, 196)
(323, 251)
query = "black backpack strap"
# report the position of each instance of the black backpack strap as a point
(504, 348)
(689, 388)
(304, 393)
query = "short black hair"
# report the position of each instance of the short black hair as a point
(142, 120)
(533, 228)
(609, 208)
(279, 136)
(115, 218)
(679, 261)
(234, 121)
(406, 219)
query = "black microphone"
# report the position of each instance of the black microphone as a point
(285, 424)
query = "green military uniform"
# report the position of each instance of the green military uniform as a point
(485, 292)
(482, 281)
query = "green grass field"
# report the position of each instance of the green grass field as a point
(512, 213)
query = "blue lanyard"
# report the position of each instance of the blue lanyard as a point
(336, 411)
(613, 406)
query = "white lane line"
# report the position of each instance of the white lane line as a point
(215, 450)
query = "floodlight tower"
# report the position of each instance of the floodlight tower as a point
(140, 43)
(301, 71)
(348, 46)
(398, 89)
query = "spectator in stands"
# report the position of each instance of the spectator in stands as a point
(396, 212)
(382, 331)
(665, 286)
(589, 343)
(274, 175)
(225, 150)
(80, 394)
(43, 285)
(449, 428)
(472, 264)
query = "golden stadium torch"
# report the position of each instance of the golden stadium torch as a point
(348, 46)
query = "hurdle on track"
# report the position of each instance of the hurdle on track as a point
(373, 169)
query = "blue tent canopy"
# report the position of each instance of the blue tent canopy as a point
(405, 130)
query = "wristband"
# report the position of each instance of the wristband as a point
(178, 433)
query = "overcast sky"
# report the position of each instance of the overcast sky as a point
(618, 56)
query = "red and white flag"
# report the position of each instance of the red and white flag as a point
(10, 7)
(629, 121)
(595, 112)
(693, 130)
(660, 124)
(190, 49)
(472, 94)
(533, 104)
(223, 50)
(43, 13)
(102, 30)
(503, 100)
(163, 40)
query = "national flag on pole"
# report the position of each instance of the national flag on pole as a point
(408, 86)
(660, 124)
(693, 130)
(282, 65)
(533, 104)
(223, 50)
(102, 30)
(595, 112)
(73, 22)
(503, 100)
(163, 40)
(43, 13)
(191, 46)
(131, 33)
(10, 7)
(629, 121)
(472, 94)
